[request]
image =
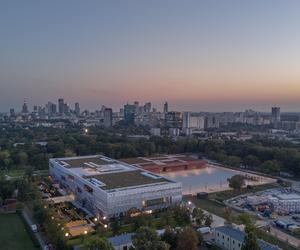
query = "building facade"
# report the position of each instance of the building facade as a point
(110, 188)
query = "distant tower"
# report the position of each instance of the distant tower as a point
(186, 120)
(77, 109)
(129, 114)
(166, 108)
(108, 117)
(61, 106)
(12, 112)
(275, 114)
(25, 107)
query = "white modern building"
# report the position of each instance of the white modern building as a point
(107, 187)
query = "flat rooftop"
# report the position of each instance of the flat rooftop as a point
(292, 196)
(108, 174)
(160, 160)
(85, 161)
(127, 179)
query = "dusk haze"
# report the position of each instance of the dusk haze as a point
(149, 124)
(197, 55)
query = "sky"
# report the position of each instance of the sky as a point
(203, 55)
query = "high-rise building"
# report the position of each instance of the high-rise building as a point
(108, 117)
(66, 109)
(275, 114)
(147, 107)
(166, 108)
(212, 121)
(129, 113)
(173, 119)
(24, 108)
(77, 109)
(12, 112)
(61, 106)
(186, 120)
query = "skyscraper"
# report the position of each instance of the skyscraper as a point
(275, 114)
(186, 120)
(51, 108)
(12, 112)
(166, 108)
(61, 106)
(77, 109)
(129, 113)
(24, 107)
(147, 107)
(108, 117)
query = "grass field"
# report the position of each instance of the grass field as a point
(13, 234)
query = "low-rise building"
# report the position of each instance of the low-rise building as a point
(109, 188)
(230, 238)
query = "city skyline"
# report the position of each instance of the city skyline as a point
(77, 107)
(202, 56)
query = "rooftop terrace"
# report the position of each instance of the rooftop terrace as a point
(91, 161)
(127, 179)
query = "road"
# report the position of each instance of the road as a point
(285, 237)
(37, 235)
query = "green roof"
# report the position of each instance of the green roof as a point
(127, 179)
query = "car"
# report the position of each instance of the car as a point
(34, 228)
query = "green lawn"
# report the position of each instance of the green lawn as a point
(13, 234)
(15, 173)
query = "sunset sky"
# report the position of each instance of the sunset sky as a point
(197, 55)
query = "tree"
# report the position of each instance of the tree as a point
(227, 214)
(97, 243)
(170, 237)
(187, 239)
(236, 182)
(4, 158)
(251, 161)
(22, 158)
(250, 242)
(181, 215)
(199, 215)
(146, 238)
(272, 167)
(233, 161)
(208, 220)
